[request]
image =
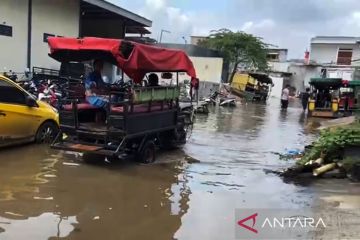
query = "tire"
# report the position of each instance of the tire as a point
(46, 133)
(147, 154)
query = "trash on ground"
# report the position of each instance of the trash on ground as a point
(70, 164)
(191, 160)
(43, 198)
(294, 152)
(290, 154)
(328, 156)
(14, 214)
(49, 175)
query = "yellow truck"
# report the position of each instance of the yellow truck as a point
(251, 86)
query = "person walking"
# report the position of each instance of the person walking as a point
(285, 97)
(305, 98)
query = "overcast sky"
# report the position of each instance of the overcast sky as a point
(284, 23)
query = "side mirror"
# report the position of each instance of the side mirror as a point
(30, 102)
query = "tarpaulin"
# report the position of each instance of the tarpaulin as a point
(134, 59)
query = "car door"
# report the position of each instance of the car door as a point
(18, 122)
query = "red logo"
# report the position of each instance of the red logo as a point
(253, 217)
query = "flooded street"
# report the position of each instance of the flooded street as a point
(47, 194)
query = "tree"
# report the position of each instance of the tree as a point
(238, 48)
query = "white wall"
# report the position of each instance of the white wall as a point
(302, 74)
(194, 40)
(283, 55)
(279, 66)
(208, 68)
(13, 50)
(276, 90)
(56, 17)
(327, 53)
(343, 73)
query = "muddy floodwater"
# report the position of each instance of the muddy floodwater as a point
(47, 194)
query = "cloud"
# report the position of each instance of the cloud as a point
(285, 23)
(156, 4)
(177, 18)
(167, 17)
(262, 25)
(294, 23)
(354, 19)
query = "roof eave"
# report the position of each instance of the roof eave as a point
(121, 11)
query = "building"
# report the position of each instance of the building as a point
(279, 69)
(338, 55)
(208, 63)
(301, 75)
(277, 55)
(333, 50)
(25, 26)
(194, 40)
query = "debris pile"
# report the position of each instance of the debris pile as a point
(335, 154)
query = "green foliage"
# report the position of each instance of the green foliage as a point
(239, 48)
(332, 142)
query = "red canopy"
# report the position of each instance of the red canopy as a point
(133, 58)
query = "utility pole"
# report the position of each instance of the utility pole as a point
(185, 40)
(161, 34)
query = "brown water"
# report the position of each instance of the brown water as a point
(42, 197)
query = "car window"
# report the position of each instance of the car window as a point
(11, 94)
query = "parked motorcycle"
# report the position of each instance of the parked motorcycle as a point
(227, 101)
(11, 75)
(224, 100)
(48, 91)
(212, 99)
(48, 95)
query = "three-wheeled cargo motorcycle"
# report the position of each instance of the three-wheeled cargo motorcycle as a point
(137, 119)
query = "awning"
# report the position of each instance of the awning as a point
(326, 83)
(354, 83)
(103, 10)
(261, 77)
(136, 29)
(134, 59)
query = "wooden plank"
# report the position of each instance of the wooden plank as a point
(82, 147)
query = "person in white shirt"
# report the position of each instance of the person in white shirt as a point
(285, 97)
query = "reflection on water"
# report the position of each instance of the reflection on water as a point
(118, 201)
(171, 199)
(23, 170)
(43, 226)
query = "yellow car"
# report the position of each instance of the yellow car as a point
(23, 118)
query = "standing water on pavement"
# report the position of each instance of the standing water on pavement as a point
(49, 194)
